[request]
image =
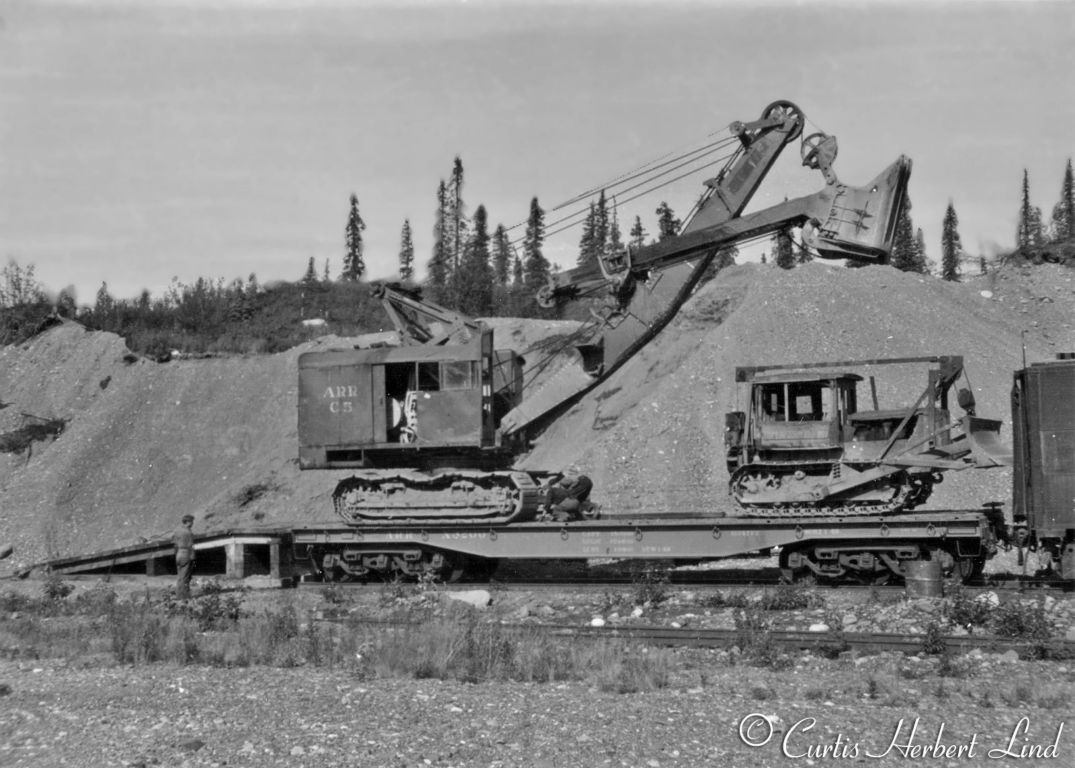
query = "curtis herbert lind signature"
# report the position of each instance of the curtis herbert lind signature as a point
(910, 739)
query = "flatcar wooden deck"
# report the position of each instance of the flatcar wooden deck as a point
(281, 553)
(233, 553)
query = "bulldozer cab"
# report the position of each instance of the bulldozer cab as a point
(791, 411)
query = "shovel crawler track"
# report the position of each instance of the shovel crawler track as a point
(461, 496)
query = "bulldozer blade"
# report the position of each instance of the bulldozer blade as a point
(983, 439)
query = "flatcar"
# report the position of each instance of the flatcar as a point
(853, 548)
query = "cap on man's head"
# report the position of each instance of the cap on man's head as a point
(188, 517)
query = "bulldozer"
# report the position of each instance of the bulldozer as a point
(804, 446)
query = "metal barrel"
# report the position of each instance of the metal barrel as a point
(922, 578)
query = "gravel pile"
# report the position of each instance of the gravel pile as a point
(652, 435)
(148, 442)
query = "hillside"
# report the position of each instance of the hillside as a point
(677, 391)
(147, 442)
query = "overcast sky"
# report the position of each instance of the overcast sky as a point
(145, 140)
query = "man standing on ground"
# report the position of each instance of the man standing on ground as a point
(184, 557)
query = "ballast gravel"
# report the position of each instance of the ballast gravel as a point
(851, 711)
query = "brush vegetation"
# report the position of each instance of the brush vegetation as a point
(213, 629)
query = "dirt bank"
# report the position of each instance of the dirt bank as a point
(146, 442)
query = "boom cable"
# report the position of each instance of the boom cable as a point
(643, 170)
(573, 219)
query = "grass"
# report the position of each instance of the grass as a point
(755, 641)
(1020, 620)
(218, 629)
(213, 629)
(965, 611)
(651, 586)
(1015, 619)
(792, 597)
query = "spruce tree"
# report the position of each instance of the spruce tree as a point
(614, 243)
(905, 256)
(517, 276)
(637, 233)
(783, 252)
(438, 264)
(802, 252)
(238, 304)
(587, 246)
(406, 252)
(595, 233)
(1063, 225)
(725, 258)
(353, 264)
(501, 256)
(310, 278)
(667, 223)
(1028, 234)
(600, 225)
(515, 302)
(951, 247)
(325, 278)
(476, 274)
(535, 265)
(457, 225)
(104, 308)
(1037, 228)
(920, 252)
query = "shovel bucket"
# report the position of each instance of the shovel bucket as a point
(983, 439)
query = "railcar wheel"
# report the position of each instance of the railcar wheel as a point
(878, 579)
(798, 574)
(451, 569)
(967, 569)
(482, 568)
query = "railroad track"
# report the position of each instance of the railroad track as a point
(826, 642)
(702, 580)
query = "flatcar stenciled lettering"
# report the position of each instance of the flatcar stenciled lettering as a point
(337, 394)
